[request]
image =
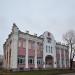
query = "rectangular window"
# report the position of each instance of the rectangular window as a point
(51, 49)
(39, 60)
(48, 40)
(58, 63)
(48, 49)
(21, 60)
(31, 60)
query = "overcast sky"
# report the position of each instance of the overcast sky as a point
(37, 16)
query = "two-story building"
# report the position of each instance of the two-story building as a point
(24, 51)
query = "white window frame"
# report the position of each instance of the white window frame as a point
(21, 58)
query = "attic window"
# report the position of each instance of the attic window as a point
(48, 40)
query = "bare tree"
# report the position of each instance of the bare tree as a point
(69, 38)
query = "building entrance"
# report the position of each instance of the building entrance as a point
(49, 61)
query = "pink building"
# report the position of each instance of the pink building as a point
(23, 51)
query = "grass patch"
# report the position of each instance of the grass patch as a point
(40, 72)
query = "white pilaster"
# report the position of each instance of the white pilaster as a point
(60, 59)
(43, 62)
(14, 47)
(64, 59)
(44, 52)
(54, 58)
(26, 53)
(14, 52)
(35, 55)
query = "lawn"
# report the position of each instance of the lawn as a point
(40, 72)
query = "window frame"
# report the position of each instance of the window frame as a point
(30, 59)
(21, 59)
(49, 39)
(39, 61)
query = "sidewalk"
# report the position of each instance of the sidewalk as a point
(69, 74)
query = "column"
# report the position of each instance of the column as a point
(64, 59)
(54, 56)
(60, 60)
(26, 53)
(44, 63)
(44, 55)
(35, 55)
